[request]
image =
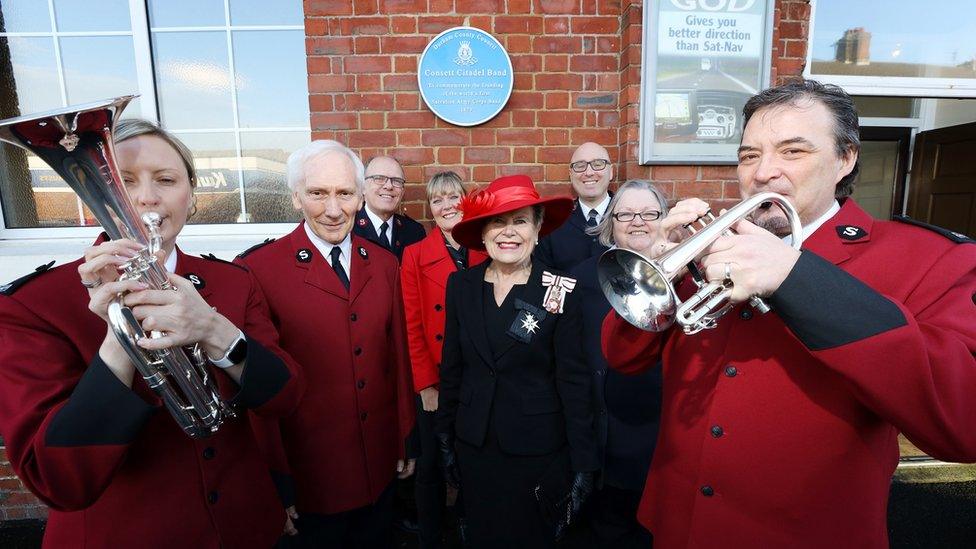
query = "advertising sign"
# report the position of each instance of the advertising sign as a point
(702, 60)
(465, 76)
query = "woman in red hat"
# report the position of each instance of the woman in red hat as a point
(514, 421)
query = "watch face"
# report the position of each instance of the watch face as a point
(239, 352)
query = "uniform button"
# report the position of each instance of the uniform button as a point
(352, 317)
(212, 497)
(361, 383)
(362, 416)
(209, 453)
(717, 431)
(491, 372)
(599, 372)
(730, 371)
(438, 307)
(745, 313)
(438, 337)
(358, 351)
(707, 491)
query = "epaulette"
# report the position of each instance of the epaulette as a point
(958, 238)
(256, 246)
(212, 257)
(11, 287)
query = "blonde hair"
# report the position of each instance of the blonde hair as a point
(445, 182)
(130, 128)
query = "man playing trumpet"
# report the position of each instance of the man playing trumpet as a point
(780, 429)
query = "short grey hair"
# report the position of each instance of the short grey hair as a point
(445, 182)
(604, 230)
(298, 159)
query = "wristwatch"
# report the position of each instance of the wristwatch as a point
(235, 354)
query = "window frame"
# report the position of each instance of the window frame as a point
(899, 86)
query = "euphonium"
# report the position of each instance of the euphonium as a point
(642, 290)
(77, 143)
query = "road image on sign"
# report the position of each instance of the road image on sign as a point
(465, 76)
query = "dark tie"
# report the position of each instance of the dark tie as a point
(337, 266)
(591, 219)
(384, 240)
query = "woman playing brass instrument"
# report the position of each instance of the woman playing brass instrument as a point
(88, 436)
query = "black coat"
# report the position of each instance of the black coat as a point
(627, 408)
(535, 395)
(406, 231)
(569, 245)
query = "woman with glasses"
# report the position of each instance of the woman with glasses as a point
(627, 407)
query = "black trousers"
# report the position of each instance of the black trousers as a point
(612, 516)
(369, 527)
(429, 489)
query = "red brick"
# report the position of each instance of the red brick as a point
(330, 45)
(367, 44)
(437, 24)
(718, 172)
(555, 155)
(557, 44)
(602, 136)
(319, 65)
(537, 173)
(479, 6)
(557, 63)
(731, 191)
(557, 25)
(333, 121)
(408, 138)
(368, 82)
(796, 48)
(414, 156)
(372, 121)
(356, 102)
(404, 44)
(407, 101)
(558, 81)
(557, 100)
(790, 67)
(403, 6)
(483, 174)
(523, 81)
(609, 44)
(523, 155)
(688, 173)
(519, 6)
(706, 190)
(316, 26)
(557, 6)
(560, 119)
(327, 7)
(518, 24)
(405, 64)
(483, 137)
(593, 63)
(400, 82)
(525, 100)
(608, 119)
(527, 63)
(365, 7)
(608, 82)
(436, 138)
(404, 25)
(482, 22)
(331, 83)
(792, 29)
(518, 43)
(366, 64)
(557, 137)
(595, 25)
(448, 155)
(364, 25)
(441, 6)
(797, 11)
(523, 119)
(318, 103)
(487, 155)
(519, 136)
(419, 119)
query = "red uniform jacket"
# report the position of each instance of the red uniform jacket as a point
(423, 277)
(110, 461)
(779, 430)
(343, 442)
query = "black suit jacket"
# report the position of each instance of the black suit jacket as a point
(569, 245)
(536, 395)
(627, 408)
(406, 231)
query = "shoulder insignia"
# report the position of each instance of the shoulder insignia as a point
(255, 247)
(958, 238)
(362, 252)
(304, 255)
(850, 232)
(362, 222)
(212, 257)
(11, 287)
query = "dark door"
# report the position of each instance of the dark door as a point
(943, 188)
(880, 187)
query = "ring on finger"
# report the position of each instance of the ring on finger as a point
(728, 271)
(91, 285)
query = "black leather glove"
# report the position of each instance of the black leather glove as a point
(581, 489)
(448, 460)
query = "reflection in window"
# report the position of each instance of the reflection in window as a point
(895, 38)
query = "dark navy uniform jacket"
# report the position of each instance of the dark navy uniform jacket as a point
(569, 245)
(406, 231)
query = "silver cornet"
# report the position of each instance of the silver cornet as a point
(642, 290)
(77, 143)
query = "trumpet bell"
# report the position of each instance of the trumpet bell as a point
(638, 289)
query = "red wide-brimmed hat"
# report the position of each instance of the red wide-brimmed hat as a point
(506, 194)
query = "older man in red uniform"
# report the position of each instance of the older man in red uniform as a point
(335, 299)
(779, 430)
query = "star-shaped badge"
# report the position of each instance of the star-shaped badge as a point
(529, 323)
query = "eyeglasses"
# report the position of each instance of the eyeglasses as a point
(627, 217)
(381, 180)
(598, 165)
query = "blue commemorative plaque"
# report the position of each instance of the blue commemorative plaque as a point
(465, 76)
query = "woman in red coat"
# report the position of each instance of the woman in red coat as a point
(86, 434)
(423, 276)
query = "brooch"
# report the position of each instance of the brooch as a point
(557, 287)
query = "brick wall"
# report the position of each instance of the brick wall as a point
(577, 78)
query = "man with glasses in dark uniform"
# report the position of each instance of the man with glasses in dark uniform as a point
(377, 220)
(590, 172)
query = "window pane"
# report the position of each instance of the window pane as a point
(193, 80)
(99, 67)
(85, 15)
(265, 12)
(272, 86)
(25, 16)
(33, 86)
(218, 186)
(952, 112)
(885, 107)
(894, 38)
(266, 193)
(186, 13)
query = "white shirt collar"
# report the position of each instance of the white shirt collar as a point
(376, 220)
(812, 227)
(170, 262)
(601, 208)
(325, 248)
